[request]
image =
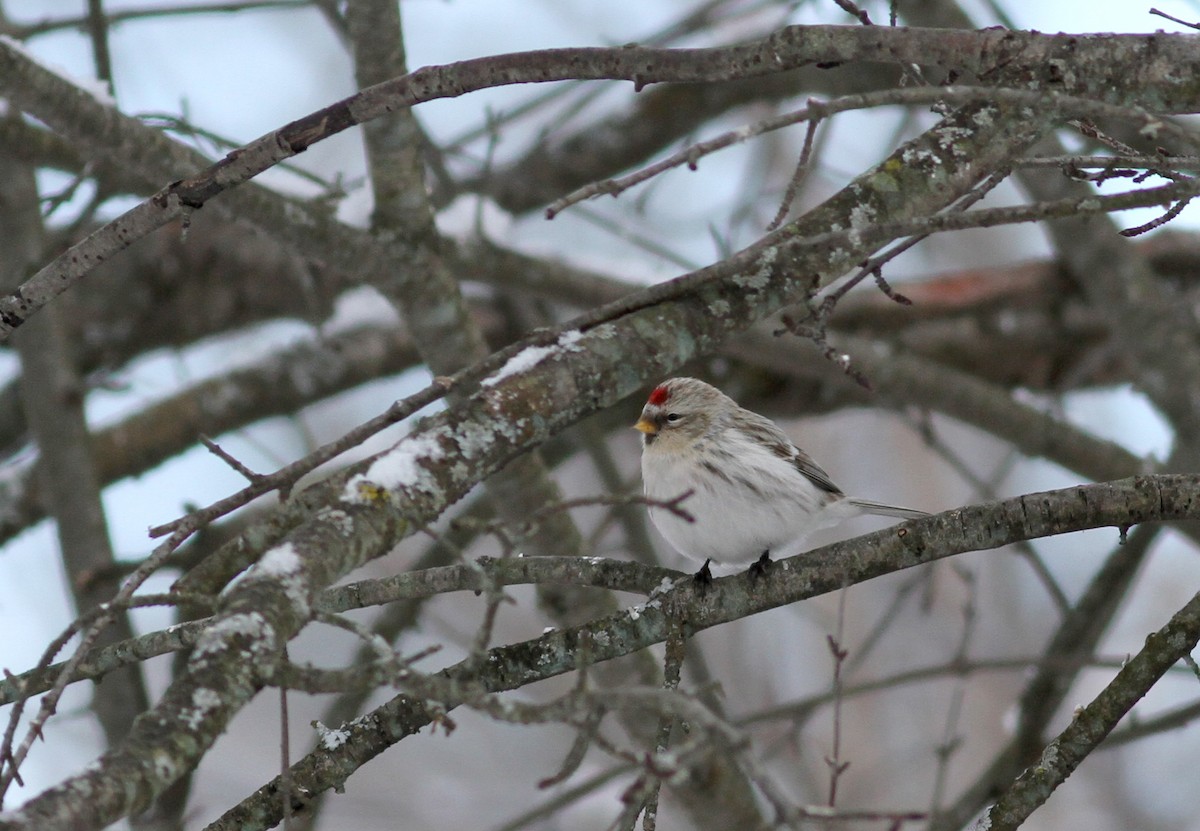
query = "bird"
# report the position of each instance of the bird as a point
(750, 492)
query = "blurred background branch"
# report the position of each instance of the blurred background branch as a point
(961, 367)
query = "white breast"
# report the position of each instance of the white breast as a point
(746, 502)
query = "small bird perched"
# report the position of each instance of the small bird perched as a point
(753, 492)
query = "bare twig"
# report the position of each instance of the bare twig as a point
(114, 16)
(228, 459)
(285, 755)
(951, 741)
(103, 616)
(793, 186)
(1174, 19)
(286, 477)
(1172, 212)
(854, 11)
(818, 110)
(1170, 496)
(672, 666)
(834, 760)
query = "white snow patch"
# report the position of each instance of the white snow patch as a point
(527, 358)
(280, 561)
(568, 339)
(398, 468)
(358, 307)
(92, 86)
(531, 356)
(283, 564)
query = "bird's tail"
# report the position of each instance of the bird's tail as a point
(880, 509)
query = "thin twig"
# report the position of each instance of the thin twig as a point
(105, 614)
(672, 667)
(24, 32)
(285, 761)
(951, 741)
(987, 490)
(501, 528)
(1174, 19)
(834, 760)
(798, 176)
(286, 477)
(228, 459)
(854, 11)
(908, 96)
(1172, 212)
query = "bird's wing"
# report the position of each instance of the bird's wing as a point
(805, 464)
(768, 433)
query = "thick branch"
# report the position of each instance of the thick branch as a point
(808, 575)
(1092, 724)
(53, 400)
(515, 409)
(1150, 70)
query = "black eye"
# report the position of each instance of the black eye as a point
(673, 416)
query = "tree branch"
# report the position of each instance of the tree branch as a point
(807, 575)
(1092, 723)
(1022, 56)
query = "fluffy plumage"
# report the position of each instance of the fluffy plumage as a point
(754, 493)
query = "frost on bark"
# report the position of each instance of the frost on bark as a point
(529, 352)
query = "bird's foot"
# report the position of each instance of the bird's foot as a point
(761, 566)
(703, 578)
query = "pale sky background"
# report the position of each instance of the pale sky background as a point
(244, 75)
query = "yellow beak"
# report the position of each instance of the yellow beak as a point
(646, 426)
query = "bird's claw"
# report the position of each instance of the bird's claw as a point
(761, 566)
